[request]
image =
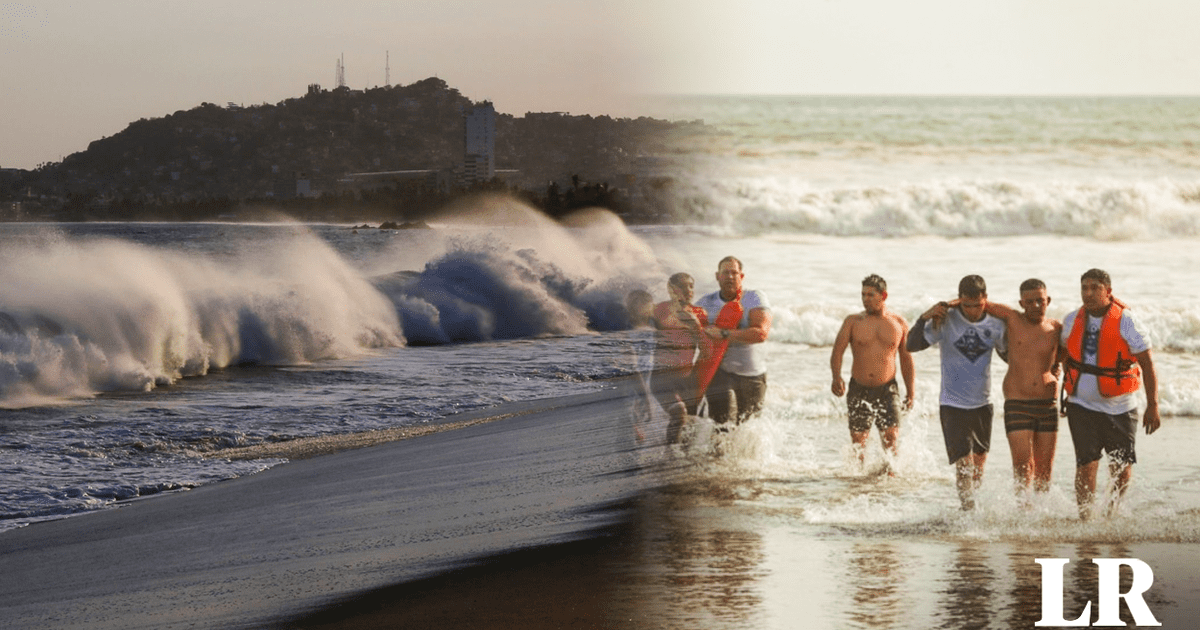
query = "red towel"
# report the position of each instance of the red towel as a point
(729, 318)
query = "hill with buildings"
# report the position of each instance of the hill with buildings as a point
(390, 152)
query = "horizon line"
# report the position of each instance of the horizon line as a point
(914, 95)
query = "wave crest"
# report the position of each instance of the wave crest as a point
(1105, 210)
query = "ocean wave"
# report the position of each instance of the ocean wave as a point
(528, 276)
(1104, 210)
(80, 316)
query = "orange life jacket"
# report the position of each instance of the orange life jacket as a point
(1116, 369)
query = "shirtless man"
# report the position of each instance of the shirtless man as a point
(1031, 385)
(875, 336)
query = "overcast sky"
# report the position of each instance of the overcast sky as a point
(73, 72)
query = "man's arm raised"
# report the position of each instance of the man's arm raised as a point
(915, 340)
(1001, 311)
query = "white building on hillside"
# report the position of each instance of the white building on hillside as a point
(479, 163)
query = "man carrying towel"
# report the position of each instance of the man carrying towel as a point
(734, 379)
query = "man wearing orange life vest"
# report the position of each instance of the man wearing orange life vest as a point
(1106, 358)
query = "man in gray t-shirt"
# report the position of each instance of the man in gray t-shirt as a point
(967, 335)
(734, 378)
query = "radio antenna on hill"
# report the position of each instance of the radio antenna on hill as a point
(340, 76)
(387, 68)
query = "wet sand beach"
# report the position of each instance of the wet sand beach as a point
(256, 550)
(551, 514)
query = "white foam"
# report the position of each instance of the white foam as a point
(101, 315)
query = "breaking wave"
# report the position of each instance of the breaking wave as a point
(1104, 210)
(80, 316)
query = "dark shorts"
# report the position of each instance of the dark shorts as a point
(966, 431)
(1095, 432)
(879, 405)
(1039, 415)
(734, 398)
(674, 386)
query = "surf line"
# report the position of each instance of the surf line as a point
(308, 447)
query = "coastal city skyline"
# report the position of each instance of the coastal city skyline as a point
(78, 73)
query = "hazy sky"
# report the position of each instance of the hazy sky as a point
(73, 72)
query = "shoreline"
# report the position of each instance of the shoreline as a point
(308, 447)
(303, 448)
(298, 537)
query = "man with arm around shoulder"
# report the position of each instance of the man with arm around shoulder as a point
(1031, 385)
(967, 335)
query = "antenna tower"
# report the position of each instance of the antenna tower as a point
(340, 77)
(387, 68)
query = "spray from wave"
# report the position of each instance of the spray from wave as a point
(80, 316)
(506, 271)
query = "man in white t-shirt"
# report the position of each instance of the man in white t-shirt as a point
(1106, 356)
(967, 335)
(734, 380)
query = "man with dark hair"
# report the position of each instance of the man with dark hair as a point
(680, 327)
(967, 335)
(875, 281)
(734, 379)
(1031, 385)
(874, 336)
(1107, 358)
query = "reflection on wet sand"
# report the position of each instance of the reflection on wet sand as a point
(717, 553)
(969, 594)
(691, 570)
(877, 574)
(1025, 607)
(739, 540)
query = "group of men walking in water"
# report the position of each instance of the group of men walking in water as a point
(1099, 354)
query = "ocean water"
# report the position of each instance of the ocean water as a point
(815, 193)
(131, 355)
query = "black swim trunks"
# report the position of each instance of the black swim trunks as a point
(878, 405)
(966, 431)
(1039, 415)
(1095, 432)
(733, 398)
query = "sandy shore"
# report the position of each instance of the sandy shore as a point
(552, 515)
(569, 585)
(264, 549)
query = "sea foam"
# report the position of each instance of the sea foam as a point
(81, 316)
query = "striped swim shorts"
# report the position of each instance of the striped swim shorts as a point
(1031, 415)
